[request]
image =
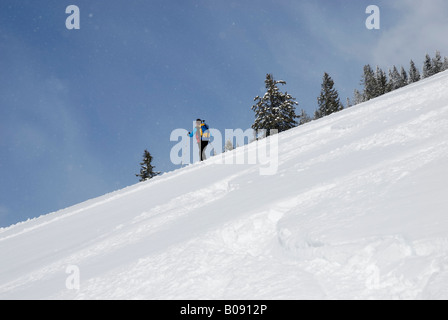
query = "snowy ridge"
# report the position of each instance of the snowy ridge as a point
(357, 210)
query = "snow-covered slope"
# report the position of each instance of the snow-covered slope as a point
(357, 209)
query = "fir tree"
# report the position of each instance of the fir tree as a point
(228, 146)
(147, 170)
(395, 81)
(382, 85)
(445, 64)
(414, 74)
(275, 110)
(403, 77)
(348, 104)
(304, 117)
(427, 67)
(369, 82)
(328, 100)
(358, 97)
(437, 63)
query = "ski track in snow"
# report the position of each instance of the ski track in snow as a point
(357, 210)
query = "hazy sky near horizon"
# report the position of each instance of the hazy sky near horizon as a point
(78, 107)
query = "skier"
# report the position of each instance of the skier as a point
(202, 133)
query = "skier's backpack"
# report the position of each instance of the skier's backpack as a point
(204, 131)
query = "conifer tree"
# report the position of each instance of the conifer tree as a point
(328, 100)
(414, 74)
(445, 64)
(403, 77)
(369, 82)
(348, 104)
(358, 97)
(427, 67)
(437, 63)
(228, 145)
(382, 85)
(394, 79)
(304, 117)
(275, 110)
(147, 170)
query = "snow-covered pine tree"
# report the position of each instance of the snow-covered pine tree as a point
(427, 67)
(414, 74)
(348, 104)
(403, 77)
(395, 81)
(328, 100)
(147, 170)
(382, 85)
(228, 145)
(304, 117)
(275, 110)
(358, 97)
(445, 64)
(369, 82)
(437, 63)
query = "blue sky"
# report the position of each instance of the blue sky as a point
(78, 107)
